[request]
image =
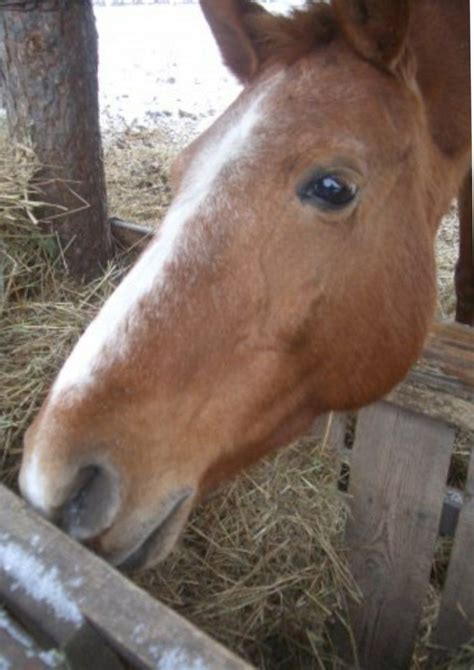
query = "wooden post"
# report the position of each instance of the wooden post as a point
(397, 482)
(455, 625)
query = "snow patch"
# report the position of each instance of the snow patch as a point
(35, 541)
(139, 633)
(175, 659)
(42, 583)
(76, 582)
(14, 632)
(159, 65)
(52, 658)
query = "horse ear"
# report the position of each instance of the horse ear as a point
(377, 29)
(227, 20)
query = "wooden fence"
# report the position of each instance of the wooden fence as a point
(59, 595)
(401, 504)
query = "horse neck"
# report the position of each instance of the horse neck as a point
(439, 38)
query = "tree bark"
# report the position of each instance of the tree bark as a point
(49, 64)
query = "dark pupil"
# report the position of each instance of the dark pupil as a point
(332, 191)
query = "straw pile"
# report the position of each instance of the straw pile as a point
(137, 165)
(42, 312)
(261, 565)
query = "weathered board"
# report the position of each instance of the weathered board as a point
(130, 235)
(61, 589)
(456, 618)
(19, 650)
(331, 430)
(441, 384)
(399, 467)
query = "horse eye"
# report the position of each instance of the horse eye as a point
(327, 191)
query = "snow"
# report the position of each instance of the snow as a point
(159, 66)
(139, 633)
(14, 632)
(171, 659)
(175, 659)
(28, 573)
(51, 658)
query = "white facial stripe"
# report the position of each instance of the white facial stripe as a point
(106, 330)
(32, 483)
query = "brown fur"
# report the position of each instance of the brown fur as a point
(289, 38)
(377, 29)
(288, 311)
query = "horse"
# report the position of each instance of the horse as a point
(293, 274)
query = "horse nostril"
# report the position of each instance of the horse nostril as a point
(93, 505)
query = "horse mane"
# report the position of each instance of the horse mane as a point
(286, 38)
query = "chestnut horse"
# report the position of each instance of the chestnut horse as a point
(293, 274)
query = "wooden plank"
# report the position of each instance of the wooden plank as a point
(397, 483)
(61, 585)
(441, 385)
(18, 650)
(331, 429)
(455, 625)
(130, 235)
(87, 649)
(452, 504)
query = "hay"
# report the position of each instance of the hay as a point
(462, 660)
(137, 163)
(428, 620)
(42, 311)
(261, 565)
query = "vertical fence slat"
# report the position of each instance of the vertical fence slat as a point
(456, 618)
(331, 427)
(398, 473)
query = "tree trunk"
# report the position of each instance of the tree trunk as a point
(49, 62)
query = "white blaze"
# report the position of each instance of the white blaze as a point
(107, 331)
(33, 484)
